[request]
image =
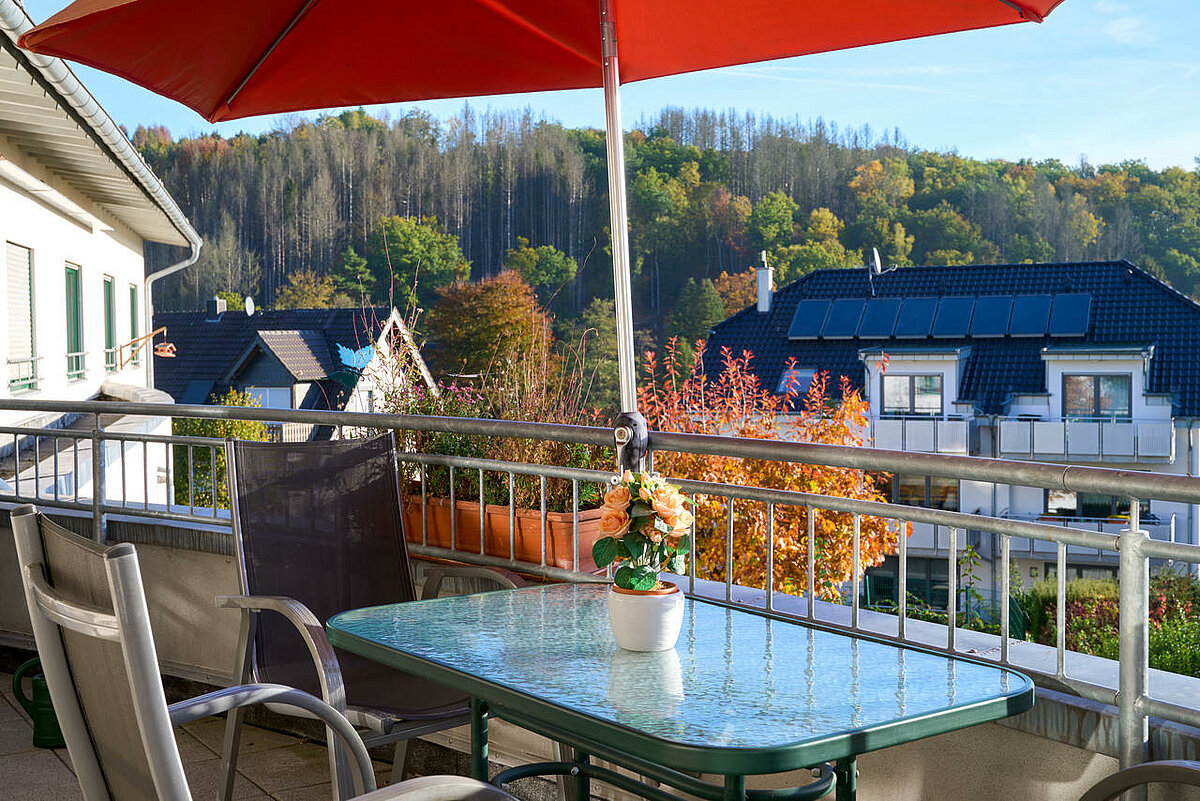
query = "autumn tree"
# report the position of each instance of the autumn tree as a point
(680, 397)
(305, 290)
(595, 337)
(486, 326)
(737, 291)
(200, 470)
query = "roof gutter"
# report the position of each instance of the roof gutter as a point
(54, 71)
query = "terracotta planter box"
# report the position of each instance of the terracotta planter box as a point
(560, 543)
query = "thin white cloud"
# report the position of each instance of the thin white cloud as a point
(1128, 30)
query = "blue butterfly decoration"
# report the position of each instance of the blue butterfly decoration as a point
(356, 359)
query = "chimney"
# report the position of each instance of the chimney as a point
(765, 282)
(215, 308)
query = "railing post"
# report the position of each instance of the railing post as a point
(1134, 633)
(99, 519)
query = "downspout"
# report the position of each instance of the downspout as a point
(148, 282)
(57, 77)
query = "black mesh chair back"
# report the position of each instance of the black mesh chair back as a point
(321, 522)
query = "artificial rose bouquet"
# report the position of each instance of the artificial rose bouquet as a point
(644, 525)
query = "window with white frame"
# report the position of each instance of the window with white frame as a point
(796, 381)
(1107, 397)
(912, 394)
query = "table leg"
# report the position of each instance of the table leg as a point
(735, 788)
(847, 779)
(479, 739)
(583, 784)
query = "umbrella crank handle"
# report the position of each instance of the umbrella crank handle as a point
(632, 441)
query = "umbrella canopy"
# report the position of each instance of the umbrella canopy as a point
(231, 58)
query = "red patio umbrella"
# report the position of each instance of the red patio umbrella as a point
(232, 58)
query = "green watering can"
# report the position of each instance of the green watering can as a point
(46, 733)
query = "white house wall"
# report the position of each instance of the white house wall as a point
(55, 239)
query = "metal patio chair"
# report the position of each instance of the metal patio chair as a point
(319, 530)
(92, 628)
(1166, 771)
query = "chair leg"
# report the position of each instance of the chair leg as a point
(400, 761)
(229, 752)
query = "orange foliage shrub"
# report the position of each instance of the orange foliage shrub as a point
(682, 398)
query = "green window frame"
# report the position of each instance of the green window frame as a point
(76, 367)
(135, 357)
(110, 325)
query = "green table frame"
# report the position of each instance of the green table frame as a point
(744, 693)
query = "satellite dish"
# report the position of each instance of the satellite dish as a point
(249, 306)
(876, 265)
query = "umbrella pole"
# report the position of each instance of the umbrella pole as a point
(631, 426)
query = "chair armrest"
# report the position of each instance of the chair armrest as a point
(1167, 770)
(246, 694)
(433, 578)
(329, 672)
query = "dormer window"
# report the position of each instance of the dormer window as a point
(795, 381)
(1104, 397)
(912, 394)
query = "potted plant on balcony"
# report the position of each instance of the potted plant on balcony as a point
(644, 524)
(533, 388)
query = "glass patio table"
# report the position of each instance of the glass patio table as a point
(742, 693)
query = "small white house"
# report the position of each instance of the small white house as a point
(1093, 363)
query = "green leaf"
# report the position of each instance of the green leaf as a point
(604, 551)
(644, 578)
(640, 509)
(684, 545)
(623, 578)
(677, 564)
(636, 544)
(622, 551)
(661, 525)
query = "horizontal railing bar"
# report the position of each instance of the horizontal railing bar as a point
(1163, 709)
(116, 436)
(500, 466)
(1179, 551)
(133, 510)
(547, 571)
(974, 468)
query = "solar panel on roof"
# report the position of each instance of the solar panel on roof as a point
(1030, 315)
(991, 316)
(842, 322)
(808, 319)
(916, 317)
(879, 318)
(1070, 314)
(953, 317)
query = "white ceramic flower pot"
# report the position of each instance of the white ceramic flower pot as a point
(645, 620)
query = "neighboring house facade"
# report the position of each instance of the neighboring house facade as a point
(323, 359)
(1094, 363)
(77, 206)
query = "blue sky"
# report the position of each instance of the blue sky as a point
(1107, 80)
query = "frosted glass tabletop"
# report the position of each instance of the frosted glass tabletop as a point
(735, 680)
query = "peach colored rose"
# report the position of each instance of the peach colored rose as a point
(627, 477)
(651, 533)
(679, 523)
(618, 498)
(613, 522)
(667, 503)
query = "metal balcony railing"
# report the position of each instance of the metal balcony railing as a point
(76, 365)
(109, 472)
(23, 374)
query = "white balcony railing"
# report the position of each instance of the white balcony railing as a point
(1088, 440)
(922, 435)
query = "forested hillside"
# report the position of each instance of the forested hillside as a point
(377, 204)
